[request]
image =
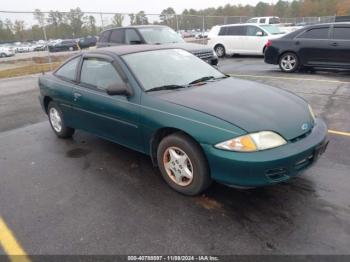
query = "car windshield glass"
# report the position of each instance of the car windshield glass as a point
(160, 35)
(168, 67)
(273, 30)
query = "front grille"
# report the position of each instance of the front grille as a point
(296, 139)
(204, 54)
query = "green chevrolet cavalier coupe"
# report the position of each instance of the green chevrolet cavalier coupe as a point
(196, 123)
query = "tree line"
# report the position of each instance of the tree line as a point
(75, 23)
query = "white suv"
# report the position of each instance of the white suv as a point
(245, 39)
(6, 51)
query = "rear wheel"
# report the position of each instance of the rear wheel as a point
(2, 55)
(289, 62)
(220, 50)
(57, 122)
(183, 165)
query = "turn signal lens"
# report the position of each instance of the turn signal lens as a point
(253, 142)
(242, 144)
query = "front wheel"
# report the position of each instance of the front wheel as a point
(289, 62)
(57, 122)
(183, 165)
(220, 50)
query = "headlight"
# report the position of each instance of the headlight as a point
(312, 113)
(253, 142)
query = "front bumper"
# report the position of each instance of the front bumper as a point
(269, 166)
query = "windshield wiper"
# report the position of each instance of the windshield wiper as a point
(165, 87)
(205, 78)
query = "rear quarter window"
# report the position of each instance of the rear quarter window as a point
(233, 30)
(68, 70)
(117, 36)
(104, 37)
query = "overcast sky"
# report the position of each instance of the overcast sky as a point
(121, 6)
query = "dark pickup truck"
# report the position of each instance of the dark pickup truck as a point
(155, 35)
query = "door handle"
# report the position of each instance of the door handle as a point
(334, 44)
(76, 96)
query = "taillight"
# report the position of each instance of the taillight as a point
(269, 43)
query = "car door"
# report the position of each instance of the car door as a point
(313, 46)
(255, 40)
(66, 78)
(112, 117)
(340, 45)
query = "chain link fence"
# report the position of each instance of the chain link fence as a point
(29, 35)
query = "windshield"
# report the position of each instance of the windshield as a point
(273, 30)
(168, 67)
(160, 35)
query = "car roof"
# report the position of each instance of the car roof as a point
(240, 24)
(129, 49)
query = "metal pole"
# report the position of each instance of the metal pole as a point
(48, 51)
(102, 25)
(177, 23)
(203, 29)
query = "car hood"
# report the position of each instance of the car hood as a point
(248, 105)
(191, 47)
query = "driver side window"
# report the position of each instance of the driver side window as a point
(253, 30)
(131, 37)
(99, 73)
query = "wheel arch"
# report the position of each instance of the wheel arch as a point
(289, 51)
(219, 44)
(46, 102)
(163, 132)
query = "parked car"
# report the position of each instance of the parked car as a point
(64, 45)
(244, 39)
(266, 20)
(325, 45)
(6, 51)
(39, 47)
(151, 34)
(196, 123)
(24, 48)
(201, 35)
(86, 42)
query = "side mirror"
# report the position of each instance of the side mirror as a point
(259, 33)
(118, 89)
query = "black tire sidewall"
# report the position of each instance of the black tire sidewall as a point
(223, 48)
(201, 177)
(296, 59)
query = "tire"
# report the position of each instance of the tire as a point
(180, 153)
(289, 62)
(2, 55)
(56, 121)
(220, 50)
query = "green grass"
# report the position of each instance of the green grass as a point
(29, 69)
